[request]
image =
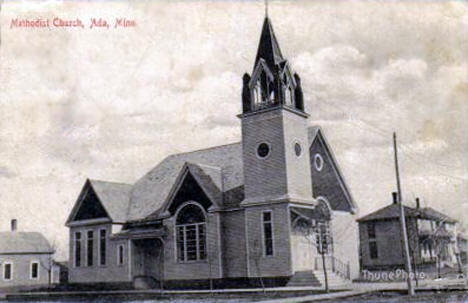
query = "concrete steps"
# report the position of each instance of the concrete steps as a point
(304, 278)
(334, 280)
(316, 278)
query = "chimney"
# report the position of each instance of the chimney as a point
(418, 205)
(14, 224)
(395, 197)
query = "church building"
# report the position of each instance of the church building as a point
(240, 214)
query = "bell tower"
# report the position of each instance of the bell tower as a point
(274, 129)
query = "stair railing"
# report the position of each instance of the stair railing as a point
(335, 265)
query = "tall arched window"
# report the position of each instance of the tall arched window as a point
(191, 233)
(288, 91)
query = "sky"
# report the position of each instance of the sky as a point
(109, 104)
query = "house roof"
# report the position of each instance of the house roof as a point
(24, 242)
(392, 211)
(152, 191)
(114, 197)
(431, 213)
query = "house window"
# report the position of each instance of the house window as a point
(89, 248)
(34, 270)
(102, 246)
(371, 230)
(267, 233)
(120, 254)
(7, 271)
(373, 250)
(191, 234)
(78, 249)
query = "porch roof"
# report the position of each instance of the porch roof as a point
(141, 233)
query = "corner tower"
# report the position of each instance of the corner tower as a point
(274, 129)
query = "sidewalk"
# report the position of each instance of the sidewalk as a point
(362, 288)
(318, 297)
(296, 296)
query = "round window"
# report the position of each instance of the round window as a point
(297, 149)
(263, 150)
(318, 162)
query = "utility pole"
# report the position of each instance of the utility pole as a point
(403, 223)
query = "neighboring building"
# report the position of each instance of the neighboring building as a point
(25, 258)
(228, 214)
(462, 247)
(431, 237)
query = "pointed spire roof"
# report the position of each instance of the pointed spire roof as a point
(268, 47)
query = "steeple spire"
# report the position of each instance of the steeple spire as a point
(272, 83)
(268, 47)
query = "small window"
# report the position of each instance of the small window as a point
(34, 270)
(267, 233)
(263, 150)
(7, 271)
(102, 247)
(318, 162)
(371, 230)
(373, 250)
(90, 252)
(298, 149)
(120, 254)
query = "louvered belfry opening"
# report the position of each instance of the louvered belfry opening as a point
(272, 82)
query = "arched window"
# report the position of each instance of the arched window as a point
(191, 233)
(263, 93)
(288, 91)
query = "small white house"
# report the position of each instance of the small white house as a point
(25, 259)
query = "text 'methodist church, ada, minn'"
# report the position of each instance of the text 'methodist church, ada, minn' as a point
(231, 214)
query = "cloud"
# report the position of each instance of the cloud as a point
(6, 173)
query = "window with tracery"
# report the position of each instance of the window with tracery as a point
(191, 234)
(263, 94)
(288, 91)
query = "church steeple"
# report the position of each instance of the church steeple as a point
(268, 48)
(272, 83)
(274, 129)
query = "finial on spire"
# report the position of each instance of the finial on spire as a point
(266, 8)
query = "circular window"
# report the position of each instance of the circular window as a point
(263, 150)
(318, 162)
(298, 149)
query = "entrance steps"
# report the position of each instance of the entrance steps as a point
(316, 278)
(334, 280)
(304, 278)
(145, 282)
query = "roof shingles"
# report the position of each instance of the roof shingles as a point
(24, 242)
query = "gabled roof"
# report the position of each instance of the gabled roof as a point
(268, 47)
(222, 164)
(114, 198)
(24, 242)
(392, 211)
(218, 170)
(315, 134)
